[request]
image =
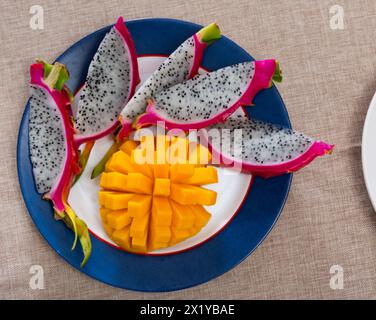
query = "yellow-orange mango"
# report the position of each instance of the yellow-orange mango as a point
(181, 172)
(118, 219)
(139, 205)
(122, 237)
(183, 217)
(139, 183)
(161, 212)
(128, 146)
(187, 194)
(115, 200)
(139, 226)
(178, 235)
(120, 162)
(139, 244)
(198, 154)
(202, 175)
(161, 187)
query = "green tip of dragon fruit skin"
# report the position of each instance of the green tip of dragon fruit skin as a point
(277, 76)
(83, 159)
(55, 75)
(99, 168)
(83, 236)
(209, 34)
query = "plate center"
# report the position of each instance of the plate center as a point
(232, 188)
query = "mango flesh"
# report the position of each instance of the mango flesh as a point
(158, 203)
(161, 187)
(128, 146)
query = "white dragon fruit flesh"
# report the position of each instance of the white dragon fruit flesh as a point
(261, 148)
(181, 65)
(211, 97)
(53, 153)
(111, 81)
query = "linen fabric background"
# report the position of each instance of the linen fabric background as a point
(330, 78)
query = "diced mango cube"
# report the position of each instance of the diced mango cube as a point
(140, 163)
(202, 216)
(202, 175)
(183, 216)
(139, 226)
(114, 200)
(119, 219)
(139, 205)
(161, 171)
(120, 162)
(114, 181)
(122, 237)
(186, 194)
(178, 235)
(161, 212)
(181, 172)
(128, 146)
(139, 183)
(181, 194)
(103, 213)
(161, 187)
(158, 233)
(139, 244)
(108, 229)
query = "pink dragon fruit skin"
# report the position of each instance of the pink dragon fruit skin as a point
(53, 153)
(82, 123)
(309, 149)
(261, 79)
(187, 68)
(59, 190)
(318, 148)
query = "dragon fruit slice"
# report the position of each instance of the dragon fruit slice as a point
(111, 81)
(262, 148)
(52, 151)
(211, 97)
(181, 65)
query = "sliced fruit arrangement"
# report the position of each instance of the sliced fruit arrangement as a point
(52, 150)
(262, 148)
(111, 81)
(181, 65)
(211, 97)
(152, 195)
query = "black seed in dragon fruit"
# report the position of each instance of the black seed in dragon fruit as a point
(111, 81)
(53, 153)
(181, 65)
(211, 97)
(261, 148)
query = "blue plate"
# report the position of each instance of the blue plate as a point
(205, 262)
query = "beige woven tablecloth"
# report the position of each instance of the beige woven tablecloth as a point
(330, 77)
